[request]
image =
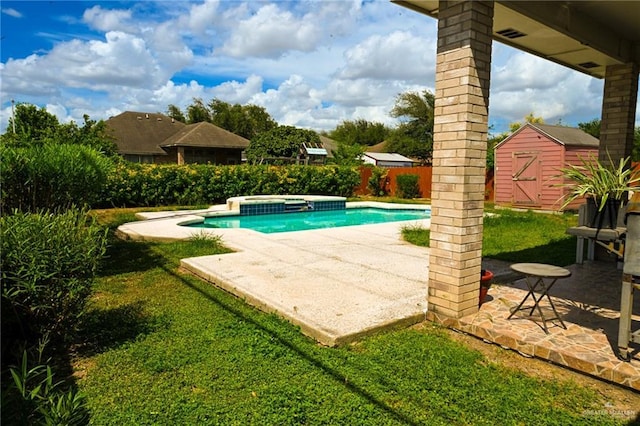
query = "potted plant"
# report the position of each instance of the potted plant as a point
(485, 284)
(604, 185)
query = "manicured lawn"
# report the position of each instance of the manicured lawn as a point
(519, 237)
(162, 347)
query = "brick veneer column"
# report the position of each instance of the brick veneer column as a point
(618, 111)
(459, 157)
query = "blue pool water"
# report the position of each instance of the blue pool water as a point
(300, 221)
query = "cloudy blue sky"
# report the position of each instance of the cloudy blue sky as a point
(311, 64)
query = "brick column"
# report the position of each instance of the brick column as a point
(459, 157)
(618, 111)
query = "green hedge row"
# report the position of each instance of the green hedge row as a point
(132, 184)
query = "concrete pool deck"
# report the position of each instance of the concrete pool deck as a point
(336, 284)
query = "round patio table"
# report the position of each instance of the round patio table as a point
(535, 276)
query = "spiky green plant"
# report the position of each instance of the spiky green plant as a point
(599, 181)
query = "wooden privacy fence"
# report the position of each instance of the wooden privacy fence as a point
(424, 174)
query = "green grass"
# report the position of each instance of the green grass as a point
(519, 237)
(161, 347)
(416, 234)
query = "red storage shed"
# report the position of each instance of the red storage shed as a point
(527, 161)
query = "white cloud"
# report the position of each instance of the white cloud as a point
(201, 18)
(396, 56)
(526, 84)
(236, 92)
(168, 48)
(272, 32)
(180, 95)
(524, 71)
(108, 20)
(59, 111)
(12, 12)
(120, 60)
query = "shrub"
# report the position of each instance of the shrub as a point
(49, 262)
(408, 186)
(378, 182)
(51, 176)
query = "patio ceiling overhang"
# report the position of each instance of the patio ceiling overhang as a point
(587, 36)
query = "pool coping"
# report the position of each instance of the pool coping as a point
(169, 225)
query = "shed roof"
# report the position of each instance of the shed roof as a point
(205, 135)
(388, 156)
(567, 136)
(570, 136)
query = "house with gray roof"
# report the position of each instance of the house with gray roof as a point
(156, 138)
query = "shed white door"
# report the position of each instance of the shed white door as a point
(526, 178)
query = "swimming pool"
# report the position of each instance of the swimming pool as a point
(300, 221)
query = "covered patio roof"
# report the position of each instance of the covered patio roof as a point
(587, 36)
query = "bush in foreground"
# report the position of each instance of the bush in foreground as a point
(51, 176)
(49, 262)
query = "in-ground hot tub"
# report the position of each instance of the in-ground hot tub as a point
(273, 204)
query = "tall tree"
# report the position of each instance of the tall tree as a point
(527, 119)
(243, 120)
(37, 126)
(347, 155)
(261, 120)
(414, 135)
(279, 144)
(415, 107)
(175, 112)
(592, 127)
(418, 147)
(33, 125)
(92, 133)
(197, 112)
(360, 132)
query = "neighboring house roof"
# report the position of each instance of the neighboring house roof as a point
(379, 147)
(329, 144)
(206, 135)
(386, 156)
(144, 133)
(567, 136)
(141, 133)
